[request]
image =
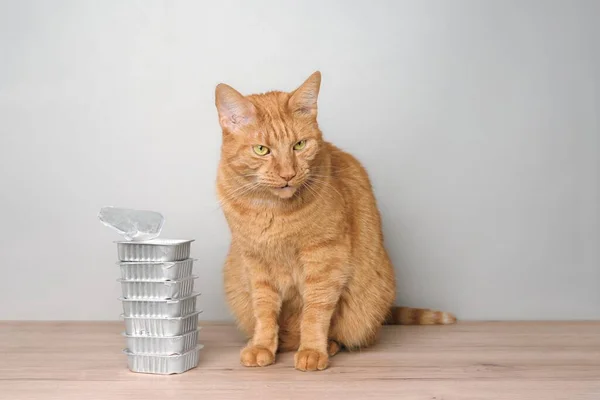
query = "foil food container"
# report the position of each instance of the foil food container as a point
(144, 326)
(154, 250)
(159, 308)
(153, 364)
(164, 346)
(156, 271)
(158, 290)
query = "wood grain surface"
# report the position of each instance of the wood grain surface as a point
(470, 360)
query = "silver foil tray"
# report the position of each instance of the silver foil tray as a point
(154, 250)
(163, 346)
(158, 290)
(156, 271)
(152, 364)
(142, 326)
(159, 308)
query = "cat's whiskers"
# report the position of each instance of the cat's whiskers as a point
(313, 191)
(237, 193)
(326, 183)
(231, 199)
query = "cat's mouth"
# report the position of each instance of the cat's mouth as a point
(284, 192)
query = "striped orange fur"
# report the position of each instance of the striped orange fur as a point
(307, 269)
(418, 316)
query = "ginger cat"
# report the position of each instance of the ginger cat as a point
(307, 269)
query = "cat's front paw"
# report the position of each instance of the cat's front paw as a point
(311, 360)
(256, 356)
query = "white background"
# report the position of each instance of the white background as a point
(477, 120)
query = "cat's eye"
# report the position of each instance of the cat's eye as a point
(261, 150)
(300, 145)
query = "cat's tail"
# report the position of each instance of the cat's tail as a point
(418, 316)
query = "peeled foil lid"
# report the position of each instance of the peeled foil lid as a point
(132, 224)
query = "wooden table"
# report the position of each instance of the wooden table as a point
(470, 360)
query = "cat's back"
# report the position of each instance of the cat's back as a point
(360, 205)
(349, 173)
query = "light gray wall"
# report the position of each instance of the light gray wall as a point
(477, 120)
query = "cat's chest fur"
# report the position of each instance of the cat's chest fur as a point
(278, 237)
(268, 233)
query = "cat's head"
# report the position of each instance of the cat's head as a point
(272, 140)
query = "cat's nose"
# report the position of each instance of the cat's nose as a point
(287, 174)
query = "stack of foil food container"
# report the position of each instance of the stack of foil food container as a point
(159, 306)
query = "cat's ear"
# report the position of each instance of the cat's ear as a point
(235, 111)
(304, 99)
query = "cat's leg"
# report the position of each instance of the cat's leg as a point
(266, 305)
(289, 327)
(289, 322)
(237, 292)
(357, 320)
(324, 278)
(290, 341)
(333, 347)
(364, 303)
